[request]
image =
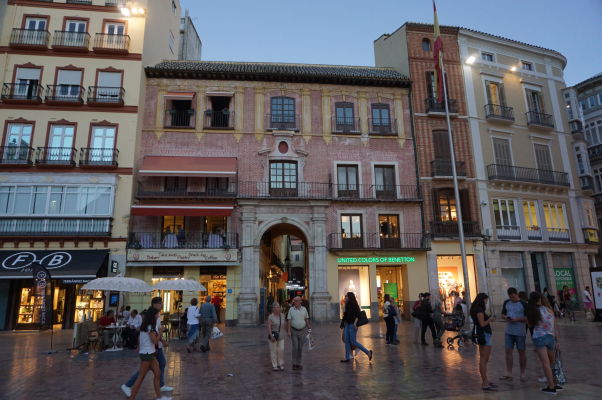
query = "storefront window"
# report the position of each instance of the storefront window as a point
(451, 279)
(29, 307)
(513, 272)
(88, 306)
(389, 281)
(355, 280)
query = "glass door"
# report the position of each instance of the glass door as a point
(351, 232)
(102, 144)
(27, 83)
(18, 142)
(60, 143)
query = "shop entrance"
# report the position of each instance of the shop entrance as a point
(451, 279)
(389, 281)
(282, 266)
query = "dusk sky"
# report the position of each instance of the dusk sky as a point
(342, 31)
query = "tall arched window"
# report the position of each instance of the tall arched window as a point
(426, 44)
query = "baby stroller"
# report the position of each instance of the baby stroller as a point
(454, 322)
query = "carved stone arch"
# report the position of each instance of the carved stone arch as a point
(295, 222)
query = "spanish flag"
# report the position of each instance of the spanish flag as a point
(438, 53)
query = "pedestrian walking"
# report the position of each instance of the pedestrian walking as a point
(349, 325)
(514, 313)
(157, 304)
(207, 319)
(438, 320)
(568, 303)
(217, 303)
(545, 333)
(297, 328)
(389, 317)
(276, 329)
(416, 318)
(396, 319)
(426, 312)
(192, 323)
(482, 322)
(149, 338)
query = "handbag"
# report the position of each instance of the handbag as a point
(216, 333)
(557, 369)
(276, 334)
(362, 319)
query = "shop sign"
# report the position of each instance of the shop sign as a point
(43, 290)
(565, 277)
(378, 260)
(206, 255)
(75, 281)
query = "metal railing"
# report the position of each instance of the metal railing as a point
(350, 125)
(78, 40)
(282, 122)
(111, 43)
(88, 2)
(595, 152)
(105, 95)
(65, 93)
(432, 105)
(206, 190)
(56, 155)
(101, 157)
(534, 233)
(558, 235)
(115, 3)
(287, 190)
(22, 91)
(182, 240)
(382, 126)
(372, 240)
(180, 119)
(15, 154)
(29, 37)
(222, 119)
(521, 174)
(443, 167)
(55, 226)
(540, 119)
(450, 228)
(509, 232)
(354, 192)
(499, 112)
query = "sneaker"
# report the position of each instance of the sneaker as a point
(558, 388)
(126, 390)
(549, 391)
(166, 388)
(543, 379)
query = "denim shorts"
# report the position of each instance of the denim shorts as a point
(512, 339)
(487, 339)
(544, 341)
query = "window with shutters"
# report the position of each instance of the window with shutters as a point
(534, 101)
(68, 84)
(502, 151)
(347, 181)
(495, 93)
(543, 160)
(506, 221)
(384, 180)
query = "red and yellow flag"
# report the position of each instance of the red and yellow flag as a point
(438, 53)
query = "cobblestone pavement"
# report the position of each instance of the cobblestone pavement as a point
(407, 371)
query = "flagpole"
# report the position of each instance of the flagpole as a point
(456, 189)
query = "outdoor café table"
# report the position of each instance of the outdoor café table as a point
(116, 333)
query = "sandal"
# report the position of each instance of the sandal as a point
(506, 378)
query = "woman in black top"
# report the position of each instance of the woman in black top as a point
(349, 324)
(482, 333)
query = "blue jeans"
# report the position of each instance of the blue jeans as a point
(350, 334)
(162, 362)
(193, 333)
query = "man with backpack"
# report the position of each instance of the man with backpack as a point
(513, 312)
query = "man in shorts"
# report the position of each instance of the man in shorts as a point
(514, 313)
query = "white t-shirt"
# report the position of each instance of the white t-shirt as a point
(587, 297)
(386, 309)
(135, 321)
(158, 328)
(146, 344)
(126, 315)
(192, 314)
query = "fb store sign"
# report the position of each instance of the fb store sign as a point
(24, 259)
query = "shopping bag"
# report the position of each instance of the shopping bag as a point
(216, 333)
(558, 371)
(311, 344)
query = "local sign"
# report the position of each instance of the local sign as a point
(378, 260)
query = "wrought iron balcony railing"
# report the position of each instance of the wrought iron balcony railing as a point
(182, 240)
(106, 43)
(443, 167)
(222, 119)
(180, 119)
(496, 111)
(348, 125)
(206, 190)
(356, 192)
(86, 2)
(450, 228)
(284, 190)
(60, 94)
(432, 105)
(22, 92)
(532, 175)
(55, 226)
(539, 119)
(558, 235)
(98, 157)
(65, 40)
(105, 96)
(15, 154)
(64, 156)
(29, 38)
(282, 122)
(508, 232)
(382, 126)
(372, 240)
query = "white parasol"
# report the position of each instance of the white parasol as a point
(118, 284)
(187, 285)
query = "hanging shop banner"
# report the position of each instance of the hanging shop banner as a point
(43, 293)
(566, 277)
(597, 288)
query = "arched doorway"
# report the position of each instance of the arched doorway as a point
(283, 266)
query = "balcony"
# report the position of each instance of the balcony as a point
(71, 41)
(64, 95)
(22, 93)
(111, 44)
(284, 190)
(183, 119)
(103, 96)
(441, 167)
(595, 153)
(539, 120)
(590, 235)
(282, 122)
(351, 192)
(371, 240)
(56, 156)
(450, 229)
(55, 226)
(346, 125)
(85, 2)
(29, 39)
(558, 235)
(184, 240)
(223, 119)
(499, 113)
(98, 157)
(530, 175)
(534, 233)
(437, 108)
(210, 190)
(15, 155)
(115, 3)
(385, 127)
(508, 232)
